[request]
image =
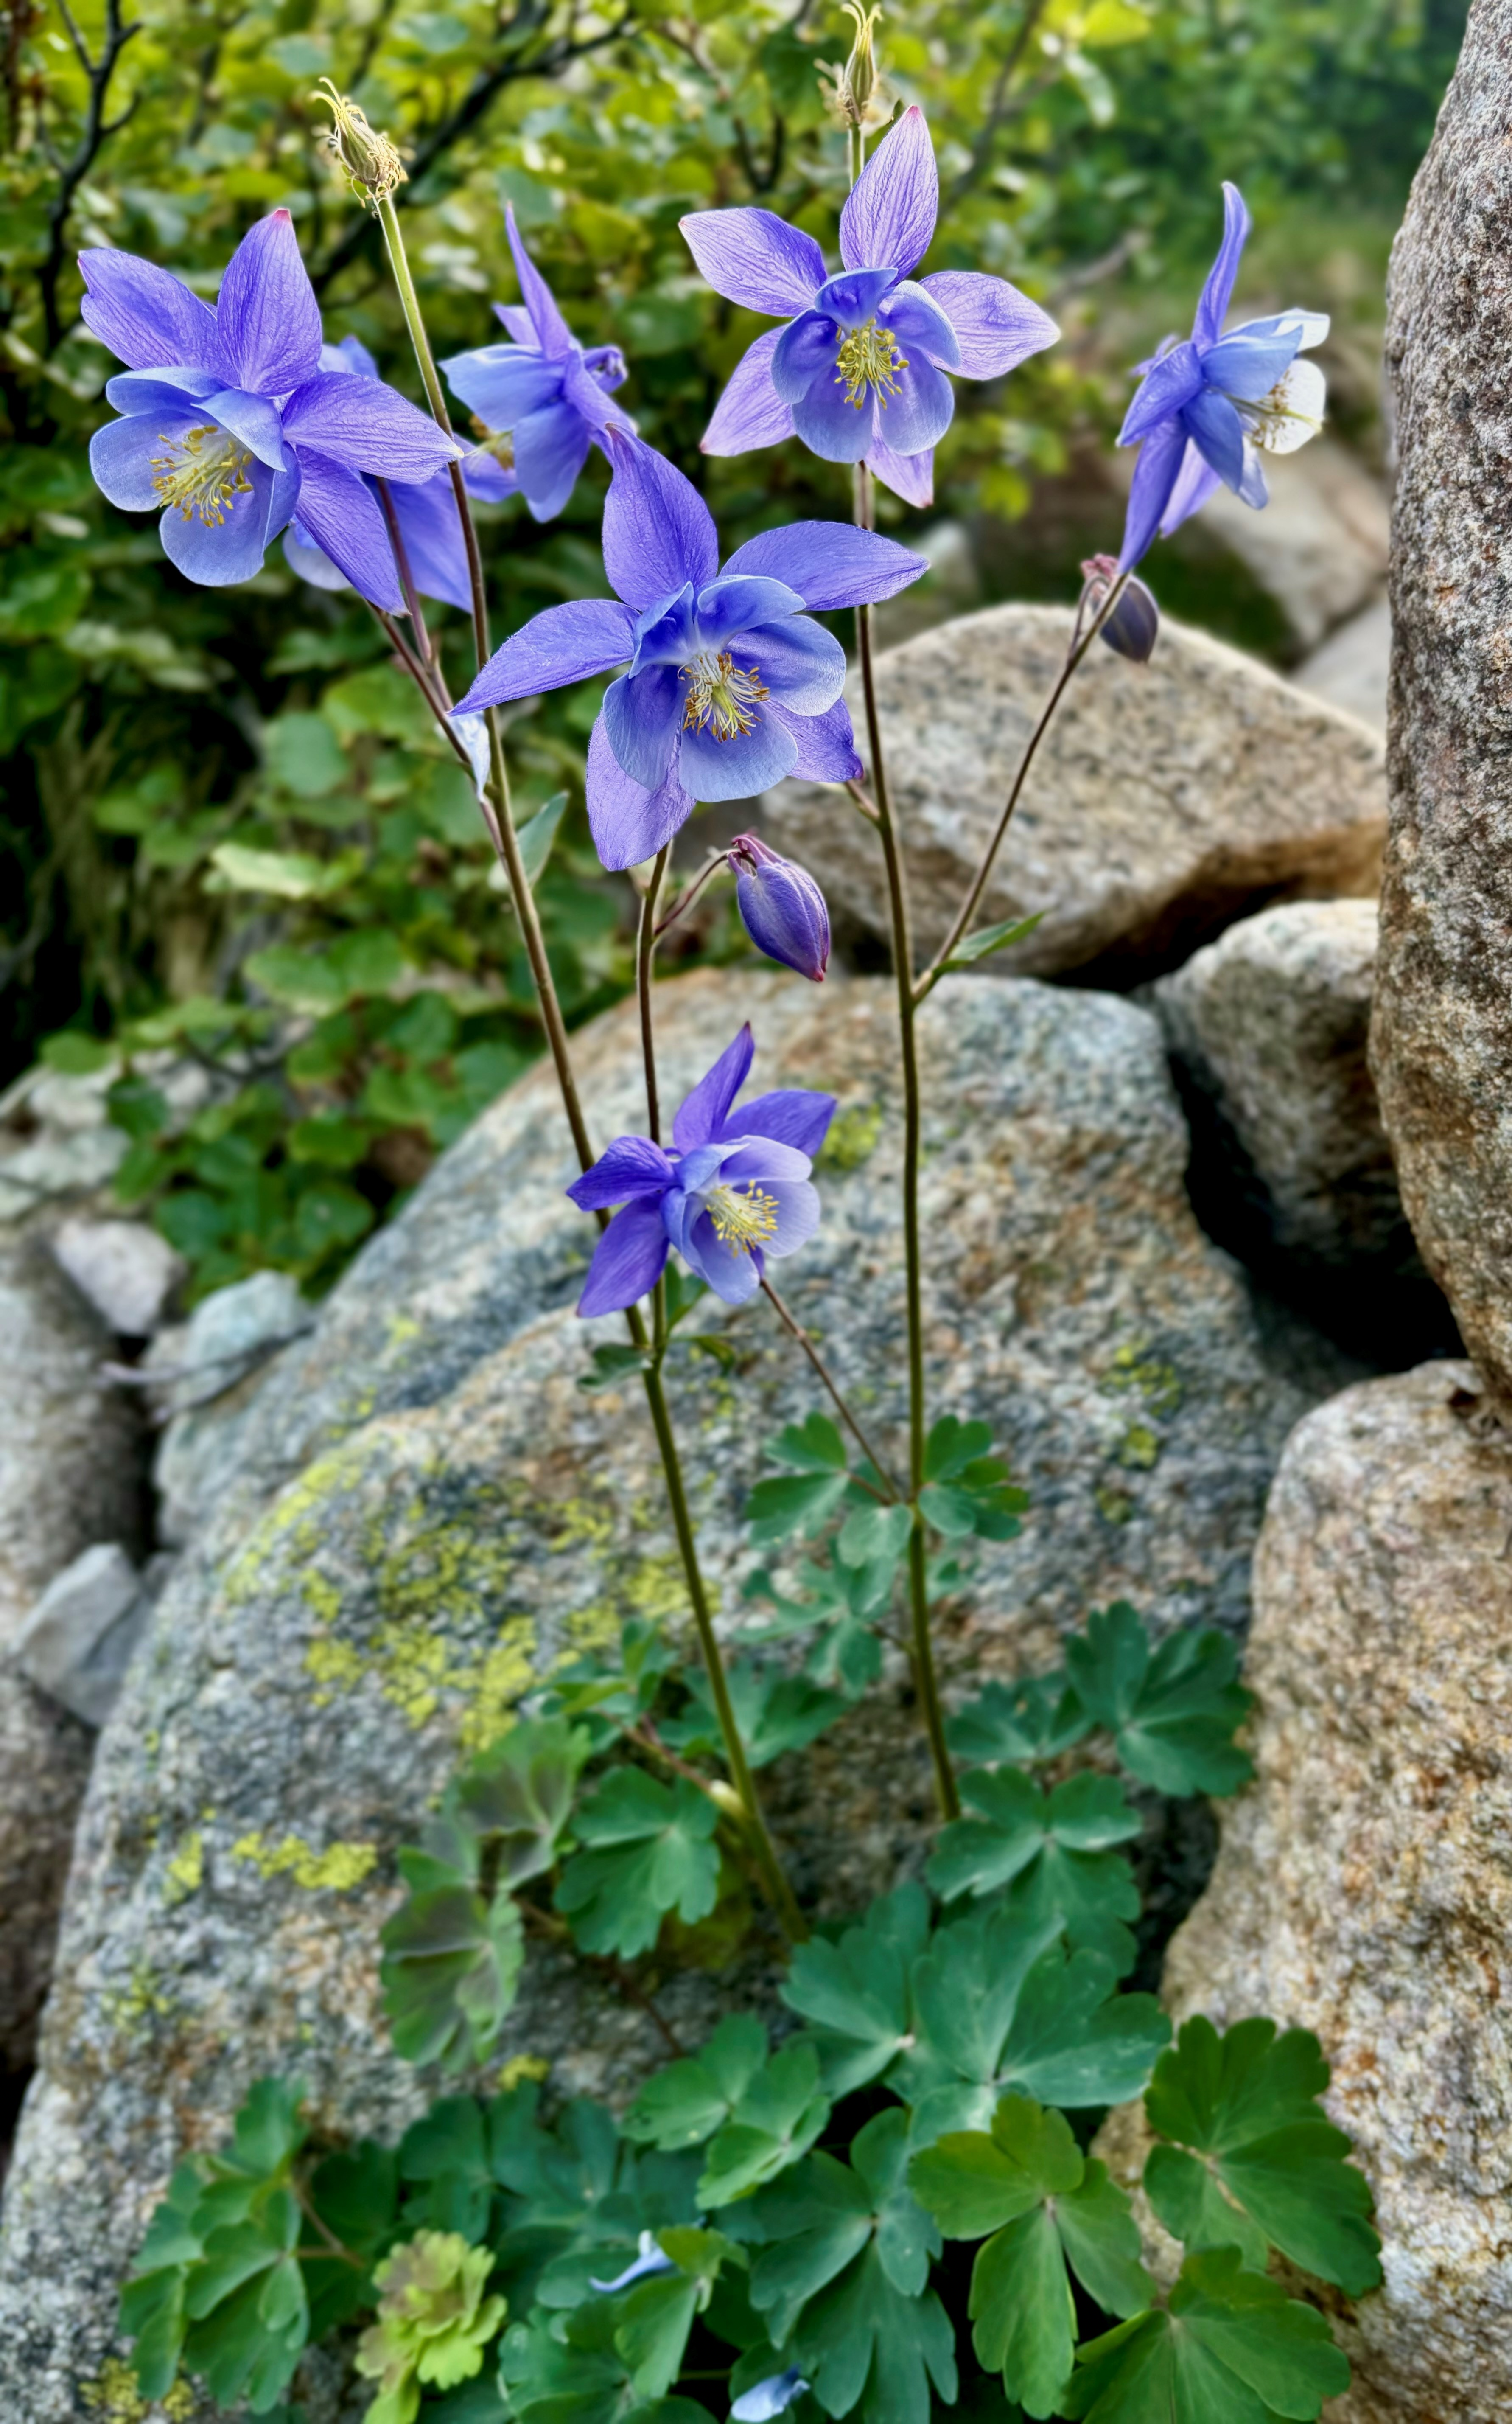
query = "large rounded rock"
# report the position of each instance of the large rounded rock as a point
(1167, 799)
(1363, 1888)
(428, 1510)
(69, 1474)
(1442, 1033)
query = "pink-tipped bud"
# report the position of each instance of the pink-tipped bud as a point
(781, 907)
(1134, 625)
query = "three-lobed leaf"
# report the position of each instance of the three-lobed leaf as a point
(1254, 2159)
(684, 2104)
(1053, 1848)
(776, 2118)
(1231, 2348)
(775, 1712)
(519, 1794)
(451, 1962)
(1172, 1711)
(1027, 1723)
(857, 1992)
(649, 1849)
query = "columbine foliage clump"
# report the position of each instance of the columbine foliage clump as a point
(768, 2229)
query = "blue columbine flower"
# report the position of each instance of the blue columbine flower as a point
(544, 388)
(733, 1190)
(231, 424)
(731, 684)
(859, 370)
(1207, 402)
(649, 2260)
(430, 527)
(773, 2397)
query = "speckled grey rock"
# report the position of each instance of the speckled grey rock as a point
(82, 1632)
(210, 1370)
(69, 1474)
(1362, 1889)
(125, 1268)
(1442, 1033)
(428, 1509)
(1271, 1022)
(1167, 799)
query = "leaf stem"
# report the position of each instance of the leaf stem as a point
(926, 1682)
(796, 1330)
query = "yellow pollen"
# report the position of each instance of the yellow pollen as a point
(869, 357)
(721, 695)
(1274, 417)
(742, 1218)
(201, 479)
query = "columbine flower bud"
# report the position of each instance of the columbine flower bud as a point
(856, 92)
(781, 907)
(371, 161)
(1134, 625)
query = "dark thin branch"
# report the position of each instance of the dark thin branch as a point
(94, 132)
(997, 109)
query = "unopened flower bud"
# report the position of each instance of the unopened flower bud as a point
(1134, 625)
(781, 907)
(856, 92)
(371, 161)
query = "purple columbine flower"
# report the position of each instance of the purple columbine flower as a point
(430, 528)
(859, 370)
(781, 907)
(731, 684)
(765, 2399)
(230, 426)
(649, 2260)
(551, 394)
(733, 1190)
(1207, 403)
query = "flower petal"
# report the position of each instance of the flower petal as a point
(159, 390)
(628, 824)
(854, 297)
(755, 259)
(1248, 367)
(830, 564)
(632, 1166)
(310, 562)
(564, 644)
(799, 1212)
(350, 355)
(595, 407)
(826, 743)
(792, 1116)
(518, 323)
(148, 316)
(739, 602)
(1168, 386)
(657, 530)
(890, 212)
(628, 1262)
(918, 322)
(749, 412)
(1156, 472)
(552, 333)
(1294, 410)
(802, 665)
(641, 718)
(830, 425)
(365, 426)
(996, 328)
(666, 633)
(916, 416)
(1195, 483)
(1207, 324)
(216, 555)
(430, 528)
(908, 477)
(736, 768)
(487, 478)
(704, 1112)
(732, 1271)
(503, 383)
(805, 350)
(550, 449)
(344, 516)
(266, 315)
(755, 1157)
(1211, 421)
(123, 456)
(254, 419)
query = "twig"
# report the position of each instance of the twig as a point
(997, 109)
(95, 132)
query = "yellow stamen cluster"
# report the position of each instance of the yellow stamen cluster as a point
(1273, 421)
(869, 357)
(721, 695)
(742, 1218)
(199, 478)
(499, 443)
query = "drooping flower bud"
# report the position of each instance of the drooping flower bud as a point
(371, 160)
(781, 907)
(855, 92)
(1134, 625)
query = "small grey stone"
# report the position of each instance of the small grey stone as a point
(1352, 667)
(1167, 799)
(214, 1366)
(79, 1637)
(126, 1270)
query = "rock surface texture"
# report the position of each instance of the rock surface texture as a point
(69, 1474)
(1442, 1032)
(1166, 800)
(1363, 1888)
(427, 1509)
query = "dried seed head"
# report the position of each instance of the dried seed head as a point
(856, 92)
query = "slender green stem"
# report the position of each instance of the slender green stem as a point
(1080, 643)
(645, 975)
(424, 647)
(795, 1329)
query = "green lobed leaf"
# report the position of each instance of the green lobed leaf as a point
(874, 1537)
(566, 2370)
(1052, 1847)
(775, 1712)
(650, 1850)
(1264, 2163)
(1233, 2349)
(814, 1445)
(776, 2118)
(1173, 1711)
(452, 1961)
(518, 1792)
(1028, 1722)
(151, 2301)
(658, 2315)
(857, 1992)
(612, 1365)
(1028, 2184)
(249, 2315)
(685, 2104)
(787, 1502)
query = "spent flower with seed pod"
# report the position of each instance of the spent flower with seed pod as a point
(433, 2322)
(730, 683)
(229, 426)
(855, 90)
(781, 907)
(859, 371)
(1208, 405)
(368, 158)
(733, 1190)
(552, 395)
